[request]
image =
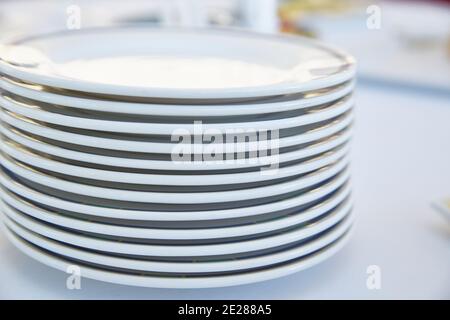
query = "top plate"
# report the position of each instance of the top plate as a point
(173, 63)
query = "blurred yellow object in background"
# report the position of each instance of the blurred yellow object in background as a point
(291, 11)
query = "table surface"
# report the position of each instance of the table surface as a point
(401, 163)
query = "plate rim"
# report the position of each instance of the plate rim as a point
(305, 166)
(175, 250)
(165, 93)
(178, 198)
(314, 148)
(234, 109)
(335, 202)
(183, 283)
(36, 128)
(55, 202)
(328, 237)
(37, 113)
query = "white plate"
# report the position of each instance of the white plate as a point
(105, 141)
(69, 118)
(270, 105)
(296, 252)
(183, 216)
(176, 63)
(115, 160)
(181, 282)
(26, 156)
(300, 217)
(183, 250)
(178, 198)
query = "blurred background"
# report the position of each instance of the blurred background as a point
(411, 38)
(401, 150)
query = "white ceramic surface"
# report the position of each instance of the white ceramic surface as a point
(302, 216)
(146, 215)
(180, 267)
(230, 74)
(118, 160)
(182, 250)
(105, 141)
(72, 119)
(173, 197)
(19, 153)
(176, 63)
(269, 105)
(180, 282)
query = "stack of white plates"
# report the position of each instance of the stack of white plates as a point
(92, 172)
